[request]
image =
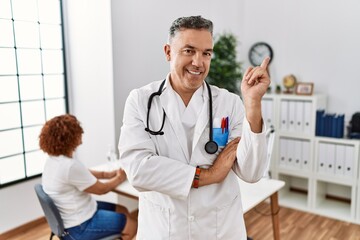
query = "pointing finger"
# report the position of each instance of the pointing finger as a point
(265, 63)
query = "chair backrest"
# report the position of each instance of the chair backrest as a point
(53, 216)
(51, 212)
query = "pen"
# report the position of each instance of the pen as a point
(227, 125)
(223, 125)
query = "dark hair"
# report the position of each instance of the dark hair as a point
(192, 22)
(61, 135)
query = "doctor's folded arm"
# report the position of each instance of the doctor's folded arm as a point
(184, 143)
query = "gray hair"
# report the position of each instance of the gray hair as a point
(192, 22)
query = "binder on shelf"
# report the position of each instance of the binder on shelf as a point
(322, 157)
(319, 118)
(340, 126)
(329, 124)
(349, 160)
(330, 159)
(284, 115)
(292, 116)
(305, 155)
(307, 117)
(299, 116)
(283, 148)
(290, 152)
(297, 154)
(339, 159)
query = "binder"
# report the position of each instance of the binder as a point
(319, 115)
(334, 125)
(292, 116)
(299, 116)
(305, 155)
(283, 148)
(339, 159)
(349, 160)
(322, 125)
(322, 157)
(330, 159)
(340, 126)
(307, 118)
(290, 154)
(284, 115)
(297, 153)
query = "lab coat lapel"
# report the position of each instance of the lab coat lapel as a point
(203, 119)
(169, 105)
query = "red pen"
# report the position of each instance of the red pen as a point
(222, 125)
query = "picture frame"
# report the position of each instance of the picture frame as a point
(304, 88)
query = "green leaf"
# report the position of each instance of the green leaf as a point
(225, 70)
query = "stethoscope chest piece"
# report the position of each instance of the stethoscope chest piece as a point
(211, 147)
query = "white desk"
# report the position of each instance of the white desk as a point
(252, 194)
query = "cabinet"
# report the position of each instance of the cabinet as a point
(321, 174)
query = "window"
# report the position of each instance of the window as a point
(32, 83)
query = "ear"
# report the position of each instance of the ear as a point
(167, 52)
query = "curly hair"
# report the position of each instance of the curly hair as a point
(61, 135)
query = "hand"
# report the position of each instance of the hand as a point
(224, 161)
(255, 82)
(120, 174)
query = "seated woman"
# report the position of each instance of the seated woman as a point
(70, 184)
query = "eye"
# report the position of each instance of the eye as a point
(208, 54)
(188, 51)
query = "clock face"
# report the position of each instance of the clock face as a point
(258, 52)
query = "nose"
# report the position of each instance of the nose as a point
(197, 59)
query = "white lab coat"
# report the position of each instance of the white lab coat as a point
(160, 167)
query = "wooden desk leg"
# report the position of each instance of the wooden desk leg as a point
(275, 215)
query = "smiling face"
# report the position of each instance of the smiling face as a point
(189, 53)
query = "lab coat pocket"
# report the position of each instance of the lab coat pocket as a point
(150, 212)
(229, 220)
(220, 136)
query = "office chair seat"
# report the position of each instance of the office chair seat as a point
(53, 216)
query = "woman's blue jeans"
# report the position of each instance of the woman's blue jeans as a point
(105, 222)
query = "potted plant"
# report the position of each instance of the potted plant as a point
(225, 70)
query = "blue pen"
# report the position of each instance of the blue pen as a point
(227, 124)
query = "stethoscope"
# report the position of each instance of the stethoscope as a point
(211, 146)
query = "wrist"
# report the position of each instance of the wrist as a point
(196, 177)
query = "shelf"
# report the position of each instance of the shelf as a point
(293, 200)
(320, 173)
(294, 172)
(335, 209)
(335, 200)
(295, 135)
(295, 193)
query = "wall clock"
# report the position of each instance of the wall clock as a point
(258, 52)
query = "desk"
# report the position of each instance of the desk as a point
(252, 194)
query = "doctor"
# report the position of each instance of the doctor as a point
(180, 142)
